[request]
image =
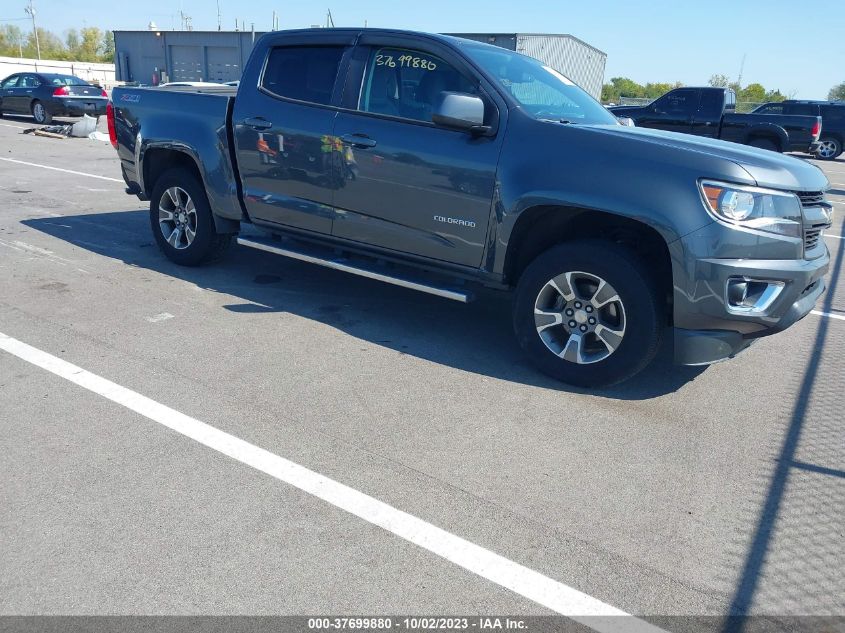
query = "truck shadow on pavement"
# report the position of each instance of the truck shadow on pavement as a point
(475, 337)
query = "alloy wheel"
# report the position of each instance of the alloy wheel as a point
(826, 149)
(177, 218)
(580, 317)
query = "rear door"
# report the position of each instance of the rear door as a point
(407, 184)
(283, 118)
(673, 111)
(8, 94)
(26, 92)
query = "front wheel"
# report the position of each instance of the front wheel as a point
(181, 220)
(40, 113)
(828, 148)
(588, 313)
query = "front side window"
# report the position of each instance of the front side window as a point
(304, 73)
(406, 83)
(541, 90)
(775, 108)
(679, 102)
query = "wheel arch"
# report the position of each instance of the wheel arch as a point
(771, 132)
(540, 227)
(157, 160)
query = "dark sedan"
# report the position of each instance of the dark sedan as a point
(47, 95)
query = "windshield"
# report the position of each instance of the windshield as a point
(66, 80)
(541, 90)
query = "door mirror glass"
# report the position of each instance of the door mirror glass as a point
(458, 110)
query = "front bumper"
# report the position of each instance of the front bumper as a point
(719, 333)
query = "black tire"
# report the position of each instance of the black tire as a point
(764, 143)
(830, 150)
(207, 244)
(44, 118)
(643, 312)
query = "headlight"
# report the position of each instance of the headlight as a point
(753, 208)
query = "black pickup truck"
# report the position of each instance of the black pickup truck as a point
(710, 112)
(445, 165)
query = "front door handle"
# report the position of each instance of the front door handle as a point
(358, 140)
(258, 123)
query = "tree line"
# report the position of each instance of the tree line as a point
(88, 44)
(623, 87)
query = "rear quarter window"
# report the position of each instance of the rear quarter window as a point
(304, 73)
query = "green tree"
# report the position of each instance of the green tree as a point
(107, 47)
(719, 81)
(755, 93)
(89, 47)
(72, 40)
(11, 38)
(837, 93)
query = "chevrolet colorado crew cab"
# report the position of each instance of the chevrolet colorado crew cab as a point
(445, 165)
(711, 112)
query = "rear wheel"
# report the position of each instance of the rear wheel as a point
(764, 143)
(181, 220)
(588, 314)
(40, 113)
(828, 148)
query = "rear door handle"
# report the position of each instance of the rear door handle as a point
(358, 140)
(258, 123)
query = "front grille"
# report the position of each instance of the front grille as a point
(810, 197)
(812, 203)
(811, 238)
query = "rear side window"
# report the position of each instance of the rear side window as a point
(10, 82)
(712, 102)
(29, 81)
(804, 109)
(305, 73)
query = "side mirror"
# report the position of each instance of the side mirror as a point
(460, 111)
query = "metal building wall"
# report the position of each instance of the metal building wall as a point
(182, 55)
(573, 58)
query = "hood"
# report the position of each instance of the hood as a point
(766, 168)
(621, 110)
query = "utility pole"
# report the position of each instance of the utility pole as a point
(741, 68)
(329, 19)
(219, 22)
(30, 9)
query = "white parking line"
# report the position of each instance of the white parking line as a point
(17, 127)
(526, 582)
(67, 171)
(838, 317)
(838, 237)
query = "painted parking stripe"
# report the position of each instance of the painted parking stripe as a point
(838, 237)
(506, 573)
(17, 127)
(67, 171)
(838, 317)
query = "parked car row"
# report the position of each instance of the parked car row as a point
(711, 112)
(811, 127)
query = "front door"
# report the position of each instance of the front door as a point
(11, 94)
(408, 185)
(674, 111)
(283, 137)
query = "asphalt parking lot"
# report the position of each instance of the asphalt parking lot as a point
(703, 491)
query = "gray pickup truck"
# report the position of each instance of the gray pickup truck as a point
(445, 165)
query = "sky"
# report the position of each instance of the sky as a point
(796, 47)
